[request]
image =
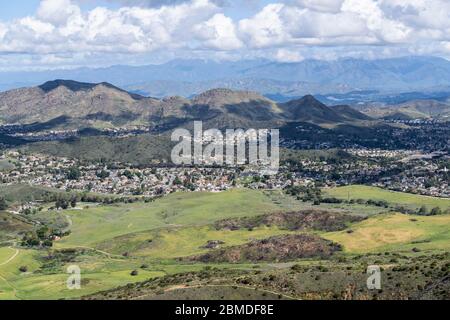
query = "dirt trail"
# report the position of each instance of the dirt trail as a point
(12, 258)
(16, 253)
(183, 287)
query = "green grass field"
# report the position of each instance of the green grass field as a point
(102, 223)
(177, 222)
(399, 198)
(396, 232)
(98, 273)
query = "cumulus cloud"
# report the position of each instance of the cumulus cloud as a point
(266, 28)
(219, 32)
(60, 26)
(285, 55)
(157, 3)
(320, 5)
(286, 30)
(56, 11)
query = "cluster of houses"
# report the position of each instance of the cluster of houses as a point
(421, 176)
(121, 179)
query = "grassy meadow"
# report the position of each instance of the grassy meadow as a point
(99, 224)
(356, 192)
(396, 232)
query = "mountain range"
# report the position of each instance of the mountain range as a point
(280, 81)
(73, 105)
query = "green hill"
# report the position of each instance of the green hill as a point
(396, 198)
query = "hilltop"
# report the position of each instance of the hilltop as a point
(414, 109)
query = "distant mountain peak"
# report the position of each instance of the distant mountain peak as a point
(76, 86)
(223, 96)
(224, 91)
(69, 84)
(308, 100)
(309, 108)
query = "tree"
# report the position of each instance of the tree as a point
(435, 211)
(3, 204)
(103, 174)
(127, 173)
(134, 273)
(73, 173)
(42, 233)
(61, 204)
(73, 202)
(423, 210)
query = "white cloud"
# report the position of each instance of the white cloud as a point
(285, 55)
(219, 32)
(3, 30)
(266, 28)
(38, 27)
(306, 24)
(60, 26)
(383, 28)
(321, 5)
(56, 11)
(287, 30)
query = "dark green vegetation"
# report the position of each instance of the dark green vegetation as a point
(343, 278)
(13, 226)
(145, 149)
(142, 149)
(16, 194)
(25, 193)
(274, 249)
(310, 219)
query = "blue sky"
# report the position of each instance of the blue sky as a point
(13, 10)
(49, 34)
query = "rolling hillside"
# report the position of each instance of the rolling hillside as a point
(415, 109)
(66, 104)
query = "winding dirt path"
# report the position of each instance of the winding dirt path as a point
(16, 253)
(183, 287)
(12, 258)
